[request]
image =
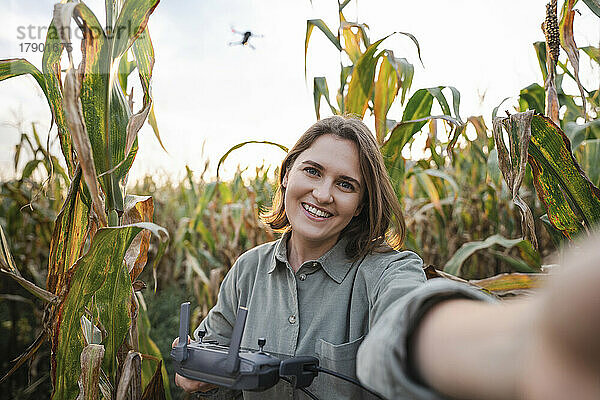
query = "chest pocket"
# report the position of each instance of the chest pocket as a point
(339, 357)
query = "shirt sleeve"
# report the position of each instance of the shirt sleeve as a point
(383, 357)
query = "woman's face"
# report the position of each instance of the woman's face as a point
(324, 188)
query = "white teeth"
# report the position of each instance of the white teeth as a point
(316, 211)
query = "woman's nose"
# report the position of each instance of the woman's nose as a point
(322, 193)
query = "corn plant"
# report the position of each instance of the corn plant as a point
(555, 147)
(101, 236)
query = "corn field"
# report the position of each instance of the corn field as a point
(92, 274)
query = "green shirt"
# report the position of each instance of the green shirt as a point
(325, 309)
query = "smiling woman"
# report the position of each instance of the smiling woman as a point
(335, 287)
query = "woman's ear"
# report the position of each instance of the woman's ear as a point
(285, 180)
(358, 209)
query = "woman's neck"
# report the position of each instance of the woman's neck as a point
(300, 251)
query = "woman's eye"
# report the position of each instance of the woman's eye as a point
(347, 185)
(311, 170)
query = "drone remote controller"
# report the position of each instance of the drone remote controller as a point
(231, 367)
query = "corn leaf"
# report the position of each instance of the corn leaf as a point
(53, 50)
(592, 52)
(588, 154)
(113, 308)
(68, 238)
(102, 262)
(454, 264)
(352, 40)
(19, 66)
(130, 383)
(532, 98)
(144, 56)
(321, 89)
(571, 200)
(506, 283)
(594, 5)
(361, 83)
(310, 24)
(138, 209)
(567, 42)
(131, 23)
(91, 360)
(148, 347)
(386, 90)
(418, 106)
(513, 162)
(155, 389)
(237, 146)
(154, 125)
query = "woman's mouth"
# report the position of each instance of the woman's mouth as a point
(315, 212)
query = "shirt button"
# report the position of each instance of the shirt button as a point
(302, 277)
(315, 264)
(292, 319)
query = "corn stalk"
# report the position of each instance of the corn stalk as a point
(101, 236)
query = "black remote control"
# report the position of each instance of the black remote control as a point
(221, 365)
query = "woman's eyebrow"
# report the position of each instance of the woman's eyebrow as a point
(319, 166)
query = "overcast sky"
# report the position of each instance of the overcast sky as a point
(207, 92)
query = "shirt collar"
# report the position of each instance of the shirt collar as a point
(334, 262)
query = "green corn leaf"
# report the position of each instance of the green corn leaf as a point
(103, 260)
(361, 83)
(112, 300)
(579, 133)
(516, 264)
(343, 5)
(588, 155)
(567, 194)
(131, 23)
(53, 50)
(592, 52)
(408, 71)
(532, 98)
(321, 89)
(418, 106)
(18, 66)
(125, 69)
(144, 56)
(345, 72)
(540, 51)
(594, 5)
(154, 125)
(29, 168)
(454, 264)
(68, 238)
(148, 347)
(310, 24)
(237, 146)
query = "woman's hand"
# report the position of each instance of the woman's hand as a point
(190, 385)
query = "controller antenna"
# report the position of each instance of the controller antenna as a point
(180, 350)
(232, 363)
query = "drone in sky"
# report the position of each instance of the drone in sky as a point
(245, 38)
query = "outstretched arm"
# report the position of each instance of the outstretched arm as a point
(545, 347)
